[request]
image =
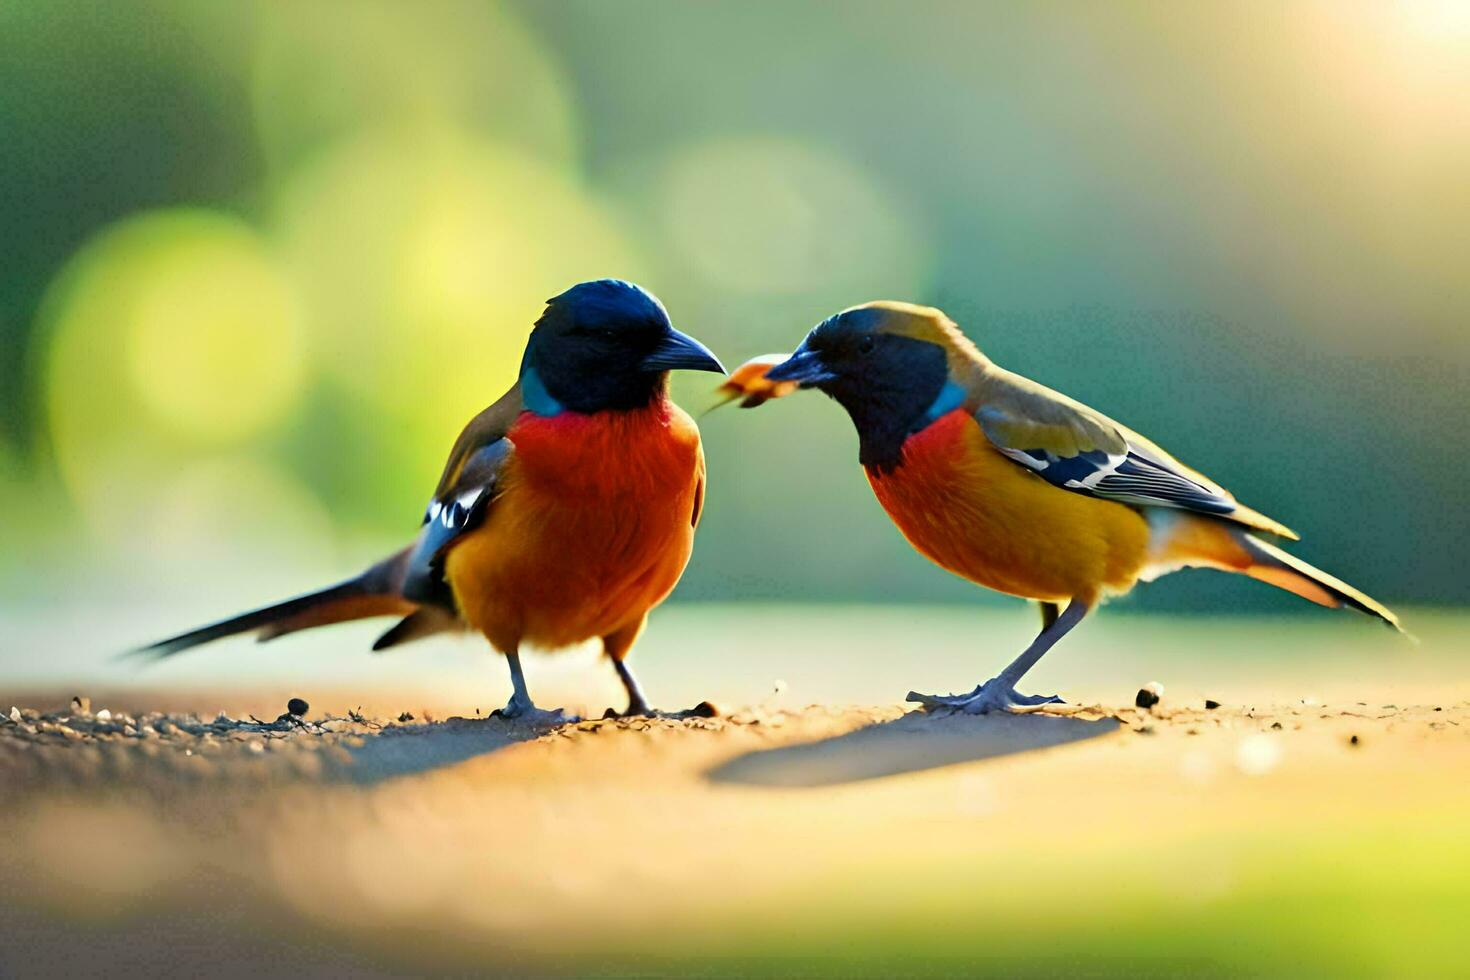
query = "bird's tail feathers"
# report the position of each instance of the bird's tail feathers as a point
(1284, 570)
(373, 593)
(1192, 540)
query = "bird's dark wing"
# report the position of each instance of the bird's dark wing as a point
(1077, 449)
(458, 508)
(466, 488)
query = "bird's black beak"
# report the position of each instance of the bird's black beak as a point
(681, 352)
(804, 367)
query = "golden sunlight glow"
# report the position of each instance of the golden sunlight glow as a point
(215, 344)
(1444, 20)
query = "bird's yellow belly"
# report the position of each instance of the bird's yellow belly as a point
(973, 511)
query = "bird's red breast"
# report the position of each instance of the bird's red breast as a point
(593, 526)
(968, 508)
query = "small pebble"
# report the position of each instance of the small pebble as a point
(705, 709)
(81, 705)
(1211, 705)
(1276, 725)
(104, 715)
(407, 717)
(1353, 740)
(297, 707)
(1149, 695)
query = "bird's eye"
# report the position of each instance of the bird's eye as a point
(866, 345)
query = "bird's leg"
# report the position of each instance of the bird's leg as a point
(1049, 612)
(637, 703)
(999, 693)
(616, 645)
(520, 706)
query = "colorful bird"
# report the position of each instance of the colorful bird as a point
(1023, 490)
(566, 510)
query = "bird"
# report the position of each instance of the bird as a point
(565, 511)
(1019, 488)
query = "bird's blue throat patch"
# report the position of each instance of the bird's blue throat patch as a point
(950, 397)
(535, 396)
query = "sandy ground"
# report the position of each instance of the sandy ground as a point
(782, 842)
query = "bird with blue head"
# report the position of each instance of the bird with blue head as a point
(1019, 488)
(565, 512)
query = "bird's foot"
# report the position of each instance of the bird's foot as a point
(523, 710)
(638, 708)
(704, 709)
(940, 702)
(993, 695)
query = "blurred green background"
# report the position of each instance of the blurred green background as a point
(261, 260)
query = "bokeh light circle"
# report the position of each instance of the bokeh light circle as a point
(215, 345)
(173, 335)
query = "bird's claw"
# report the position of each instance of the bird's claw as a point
(527, 713)
(639, 709)
(993, 695)
(932, 702)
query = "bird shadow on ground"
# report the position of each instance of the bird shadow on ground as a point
(912, 743)
(410, 750)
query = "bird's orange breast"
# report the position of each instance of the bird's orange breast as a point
(971, 510)
(593, 527)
